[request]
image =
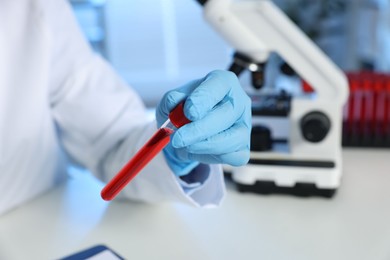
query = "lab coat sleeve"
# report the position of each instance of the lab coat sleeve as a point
(102, 122)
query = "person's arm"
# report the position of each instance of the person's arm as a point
(102, 122)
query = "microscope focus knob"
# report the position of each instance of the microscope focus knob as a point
(315, 126)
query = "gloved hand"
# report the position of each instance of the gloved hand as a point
(220, 112)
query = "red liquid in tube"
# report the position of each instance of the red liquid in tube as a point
(155, 144)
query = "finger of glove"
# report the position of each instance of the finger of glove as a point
(237, 158)
(212, 90)
(221, 118)
(174, 97)
(234, 139)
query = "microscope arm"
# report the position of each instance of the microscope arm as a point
(256, 28)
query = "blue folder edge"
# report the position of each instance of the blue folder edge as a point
(90, 252)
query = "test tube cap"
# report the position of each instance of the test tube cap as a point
(177, 116)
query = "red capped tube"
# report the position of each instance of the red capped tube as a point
(177, 117)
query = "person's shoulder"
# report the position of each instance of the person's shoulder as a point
(43, 6)
(21, 12)
(48, 11)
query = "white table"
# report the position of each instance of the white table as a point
(353, 225)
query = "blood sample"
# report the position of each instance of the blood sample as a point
(152, 147)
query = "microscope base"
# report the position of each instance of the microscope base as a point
(299, 190)
(306, 181)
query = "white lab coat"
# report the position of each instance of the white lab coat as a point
(56, 95)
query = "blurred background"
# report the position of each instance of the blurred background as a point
(157, 45)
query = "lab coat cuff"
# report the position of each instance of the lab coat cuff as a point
(194, 180)
(211, 192)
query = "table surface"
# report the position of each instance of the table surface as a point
(352, 225)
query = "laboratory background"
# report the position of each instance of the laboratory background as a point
(317, 185)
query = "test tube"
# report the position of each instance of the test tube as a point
(152, 147)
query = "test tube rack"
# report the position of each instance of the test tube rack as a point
(366, 114)
(366, 119)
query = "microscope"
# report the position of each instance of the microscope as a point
(296, 136)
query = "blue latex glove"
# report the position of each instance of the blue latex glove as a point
(220, 112)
